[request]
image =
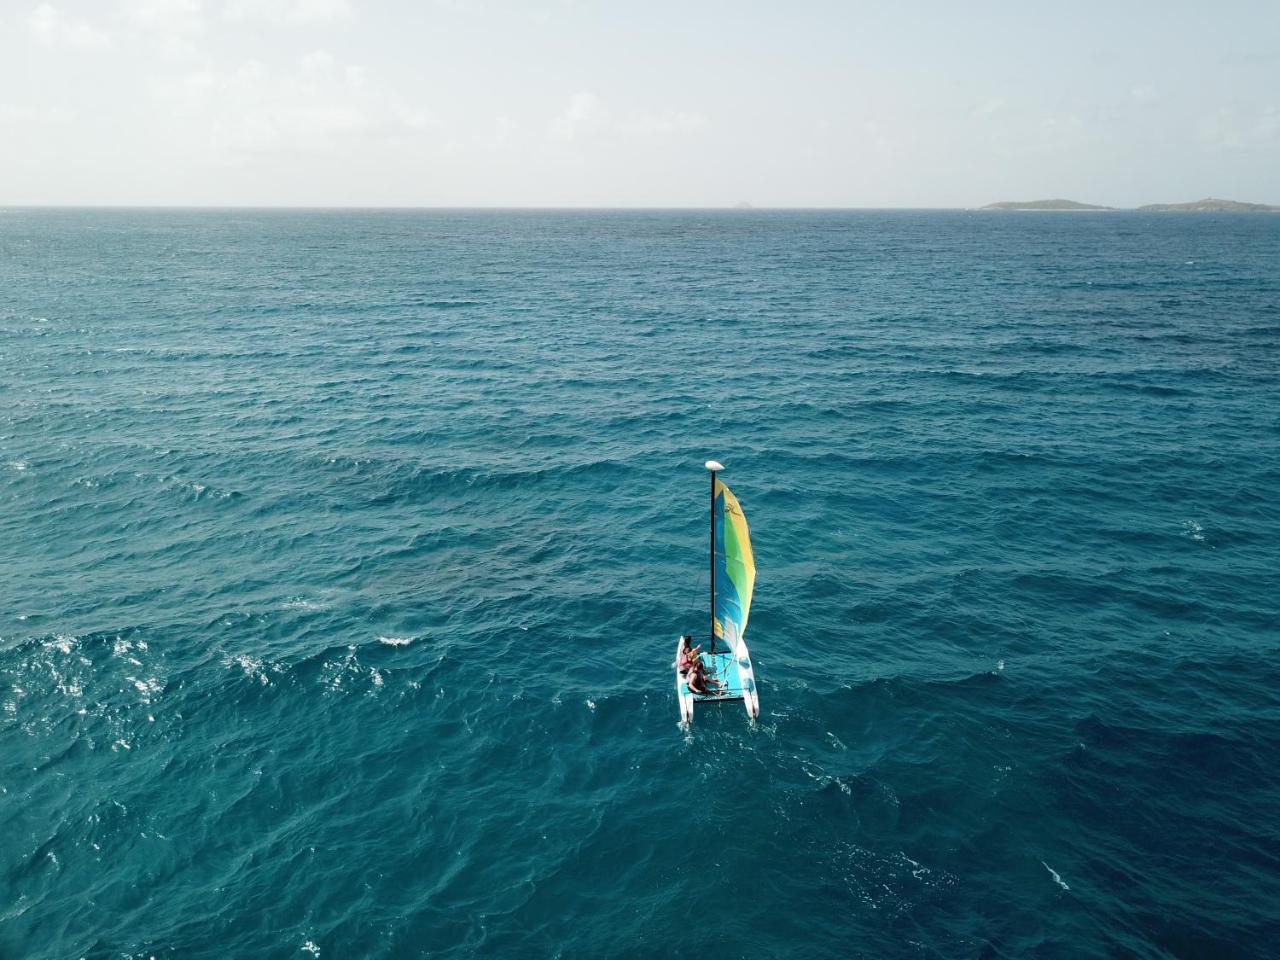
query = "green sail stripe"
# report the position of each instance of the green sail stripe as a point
(737, 560)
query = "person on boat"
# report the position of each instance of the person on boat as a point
(688, 656)
(698, 680)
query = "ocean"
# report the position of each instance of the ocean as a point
(343, 554)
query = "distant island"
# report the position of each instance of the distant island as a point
(1207, 205)
(743, 205)
(1043, 205)
(1210, 205)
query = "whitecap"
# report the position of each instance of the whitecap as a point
(1057, 878)
(68, 688)
(251, 666)
(397, 641)
(60, 642)
(918, 869)
(145, 687)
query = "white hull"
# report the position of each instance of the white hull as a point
(741, 683)
(682, 695)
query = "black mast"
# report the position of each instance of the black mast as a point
(713, 561)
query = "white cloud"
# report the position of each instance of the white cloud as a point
(28, 119)
(583, 111)
(1267, 125)
(51, 27)
(168, 16)
(585, 116)
(255, 110)
(649, 126)
(172, 24)
(879, 137)
(504, 129)
(1229, 128)
(1143, 95)
(287, 11)
(318, 63)
(1221, 130)
(990, 108)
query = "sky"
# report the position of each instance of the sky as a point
(638, 103)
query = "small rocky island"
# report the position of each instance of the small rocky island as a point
(1207, 205)
(1042, 205)
(1210, 205)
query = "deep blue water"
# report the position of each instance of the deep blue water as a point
(342, 556)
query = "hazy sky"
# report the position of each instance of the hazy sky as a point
(785, 103)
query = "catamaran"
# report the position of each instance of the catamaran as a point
(733, 575)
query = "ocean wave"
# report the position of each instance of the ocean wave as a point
(342, 577)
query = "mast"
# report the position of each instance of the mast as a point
(713, 466)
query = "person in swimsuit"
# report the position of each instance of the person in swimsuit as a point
(694, 670)
(696, 681)
(688, 659)
(699, 682)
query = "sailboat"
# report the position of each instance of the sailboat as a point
(733, 575)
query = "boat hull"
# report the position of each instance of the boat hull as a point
(683, 695)
(736, 678)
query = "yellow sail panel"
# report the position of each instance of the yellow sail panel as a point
(735, 564)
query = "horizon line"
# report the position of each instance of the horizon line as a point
(727, 208)
(451, 206)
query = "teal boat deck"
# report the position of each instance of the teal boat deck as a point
(722, 667)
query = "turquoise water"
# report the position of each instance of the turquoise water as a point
(344, 555)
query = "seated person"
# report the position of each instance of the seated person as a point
(697, 680)
(688, 655)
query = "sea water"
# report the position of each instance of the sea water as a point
(343, 553)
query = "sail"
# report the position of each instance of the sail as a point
(735, 565)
